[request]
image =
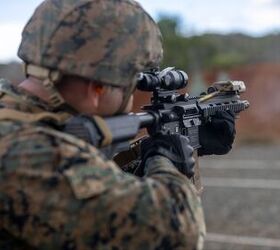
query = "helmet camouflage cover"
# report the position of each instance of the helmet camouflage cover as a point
(108, 41)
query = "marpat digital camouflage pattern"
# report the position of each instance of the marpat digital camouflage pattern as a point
(104, 40)
(58, 192)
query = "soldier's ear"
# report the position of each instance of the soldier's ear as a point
(93, 95)
(94, 92)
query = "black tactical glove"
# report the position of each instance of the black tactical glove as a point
(217, 136)
(174, 147)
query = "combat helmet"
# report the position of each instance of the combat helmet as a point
(108, 41)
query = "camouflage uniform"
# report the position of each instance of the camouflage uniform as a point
(58, 192)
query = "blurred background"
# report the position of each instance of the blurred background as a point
(213, 40)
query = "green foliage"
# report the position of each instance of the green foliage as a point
(214, 51)
(169, 26)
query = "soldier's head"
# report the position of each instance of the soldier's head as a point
(87, 46)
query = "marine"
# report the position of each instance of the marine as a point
(58, 191)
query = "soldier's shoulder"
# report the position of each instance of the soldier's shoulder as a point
(39, 145)
(44, 153)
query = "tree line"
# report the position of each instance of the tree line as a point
(215, 51)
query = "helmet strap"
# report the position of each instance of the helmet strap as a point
(49, 78)
(55, 98)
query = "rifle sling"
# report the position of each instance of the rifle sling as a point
(196, 179)
(105, 130)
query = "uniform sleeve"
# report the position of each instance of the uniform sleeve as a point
(56, 194)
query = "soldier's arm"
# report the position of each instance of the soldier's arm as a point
(59, 194)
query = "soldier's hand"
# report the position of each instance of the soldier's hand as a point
(174, 147)
(217, 136)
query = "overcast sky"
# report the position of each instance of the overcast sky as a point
(254, 17)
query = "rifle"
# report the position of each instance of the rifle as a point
(169, 112)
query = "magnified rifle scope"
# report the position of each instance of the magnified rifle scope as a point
(167, 79)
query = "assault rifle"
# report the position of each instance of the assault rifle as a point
(169, 111)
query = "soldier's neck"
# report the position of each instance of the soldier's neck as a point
(34, 87)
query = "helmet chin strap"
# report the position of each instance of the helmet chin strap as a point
(49, 78)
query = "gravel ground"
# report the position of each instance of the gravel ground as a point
(215, 246)
(245, 212)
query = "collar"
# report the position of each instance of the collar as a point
(12, 96)
(19, 104)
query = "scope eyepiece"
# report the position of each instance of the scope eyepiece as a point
(167, 79)
(147, 81)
